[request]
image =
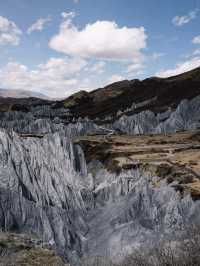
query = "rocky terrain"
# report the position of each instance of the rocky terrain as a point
(103, 173)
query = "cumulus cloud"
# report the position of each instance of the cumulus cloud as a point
(181, 20)
(100, 40)
(135, 68)
(196, 40)
(180, 68)
(57, 77)
(62, 67)
(39, 25)
(9, 32)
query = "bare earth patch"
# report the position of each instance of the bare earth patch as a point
(175, 157)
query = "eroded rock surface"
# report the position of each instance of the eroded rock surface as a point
(40, 181)
(82, 208)
(43, 120)
(185, 117)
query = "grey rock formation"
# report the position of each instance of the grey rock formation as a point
(43, 119)
(39, 194)
(138, 124)
(185, 117)
(47, 189)
(128, 213)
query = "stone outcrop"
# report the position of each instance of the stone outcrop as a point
(47, 189)
(39, 194)
(185, 117)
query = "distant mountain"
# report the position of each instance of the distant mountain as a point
(21, 94)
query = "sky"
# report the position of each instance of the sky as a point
(59, 47)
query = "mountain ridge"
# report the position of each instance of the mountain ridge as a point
(16, 93)
(121, 95)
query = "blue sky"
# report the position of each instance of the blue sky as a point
(60, 47)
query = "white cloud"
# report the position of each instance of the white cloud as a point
(39, 25)
(115, 78)
(63, 67)
(181, 20)
(87, 84)
(196, 40)
(135, 68)
(180, 68)
(76, 1)
(98, 68)
(9, 32)
(100, 40)
(57, 77)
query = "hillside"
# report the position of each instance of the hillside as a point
(159, 93)
(20, 249)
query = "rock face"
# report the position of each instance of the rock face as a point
(38, 189)
(185, 117)
(47, 189)
(131, 214)
(42, 120)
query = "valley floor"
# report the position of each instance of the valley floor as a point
(170, 156)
